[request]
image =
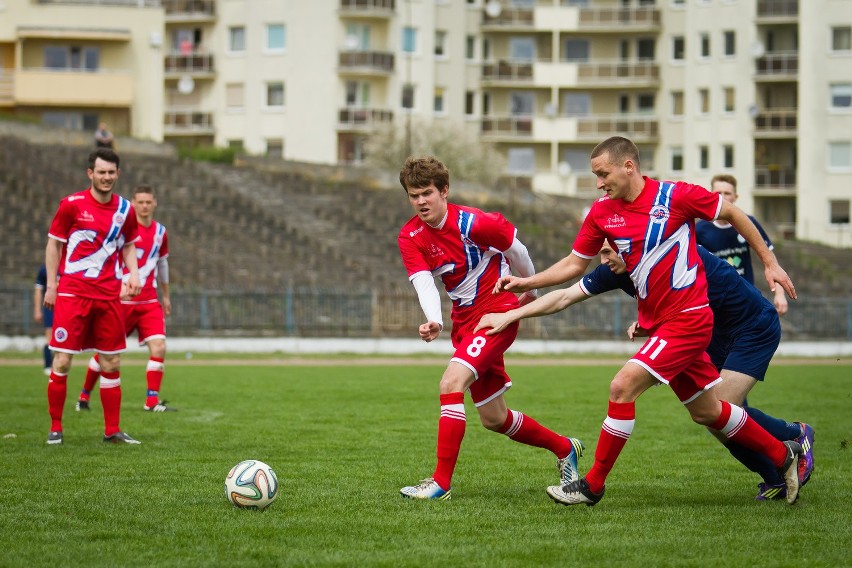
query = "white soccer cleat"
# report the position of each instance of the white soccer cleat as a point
(426, 489)
(567, 466)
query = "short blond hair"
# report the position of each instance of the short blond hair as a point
(724, 178)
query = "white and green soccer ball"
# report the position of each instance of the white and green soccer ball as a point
(251, 484)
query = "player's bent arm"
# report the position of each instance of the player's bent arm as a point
(129, 257)
(52, 253)
(562, 271)
(522, 264)
(747, 229)
(550, 303)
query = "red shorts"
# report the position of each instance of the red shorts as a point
(146, 319)
(483, 354)
(83, 324)
(675, 354)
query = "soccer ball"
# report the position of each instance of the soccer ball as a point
(251, 484)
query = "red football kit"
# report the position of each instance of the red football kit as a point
(655, 236)
(466, 253)
(88, 312)
(144, 313)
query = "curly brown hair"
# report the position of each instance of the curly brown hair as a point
(419, 172)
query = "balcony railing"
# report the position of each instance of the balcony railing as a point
(367, 60)
(133, 3)
(511, 18)
(771, 177)
(520, 71)
(368, 7)
(776, 120)
(618, 71)
(187, 121)
(7, 87)
(777, 8)
(507, 126)
(641, 17)
(191, 63)
(635, 127)
(191, 8)
(779, 63)
(363, 117)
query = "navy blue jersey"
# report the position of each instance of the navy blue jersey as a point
(734, 302)
(727, 244)
(41, 278)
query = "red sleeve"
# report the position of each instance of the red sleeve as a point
(412, 259)
(130, 229)
(493, 230)
(698, 201)
(62, 221)
(164, 248)
(590, 239)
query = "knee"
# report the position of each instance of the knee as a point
(492, 422)
(620, 390)
(705, 416)
(61, 362)
(158, 349)
(109, 363)
(451, 383)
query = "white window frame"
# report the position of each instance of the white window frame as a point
(283, 48)
(673, 59)
(830, 152)
(676, 151)
(839, 90)
(266, 96)
(231, 31)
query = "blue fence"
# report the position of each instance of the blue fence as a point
(337, 312)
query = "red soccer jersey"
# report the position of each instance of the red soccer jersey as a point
(153, 244)
(94, 235)
(655, 236)
(465, 253)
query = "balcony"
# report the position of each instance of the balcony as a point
(366, 62)
(373, 9)
(67, 87)
(187, 122)
(508, 72)
(197, 11)
(774, 180)
(362, 119)
(618, 73)
(778, 66)
(776, 123)
(509, 20)
(507, 127)
(196, 64)
(619, 19)
(777, 11)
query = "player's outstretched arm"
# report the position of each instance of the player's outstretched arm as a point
(561, 272)
(550, 303)
(772, 270)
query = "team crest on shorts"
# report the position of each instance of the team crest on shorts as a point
(60, 334)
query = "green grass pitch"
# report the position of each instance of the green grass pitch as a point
(344, 439)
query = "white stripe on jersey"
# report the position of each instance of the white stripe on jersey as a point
(682, 274)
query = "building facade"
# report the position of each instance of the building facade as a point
(761, 89)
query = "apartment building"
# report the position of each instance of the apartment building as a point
(761, 89)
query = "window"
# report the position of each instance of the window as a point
(678, 3)
(358, 37)
(703, 157)
(841, 96)
(645, 49)
(705, 46)
(235, 144)
(840, 155)
(276, 39)
(623, 104)
(730, 38)
(486, 104)
(71, 57)
(677, 103)
(728, 156)
(234, 96)
(577, 159)
(704, 101)
(522, 49)
(275, 94)
(357, 94)
(275, 147)
(838, 211)
(678, 48)
(841, 38)
(521, 161)
(521, 103)
(409, 40)
(440, 44)
(677, 159)
(729, 95)
(623, 50)
(576, 50)
(645, 103)
(576, 104)
(236, 39)
(486, 49)
(439, 101)
(470, 47)
(408, 97)
(469, 103)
